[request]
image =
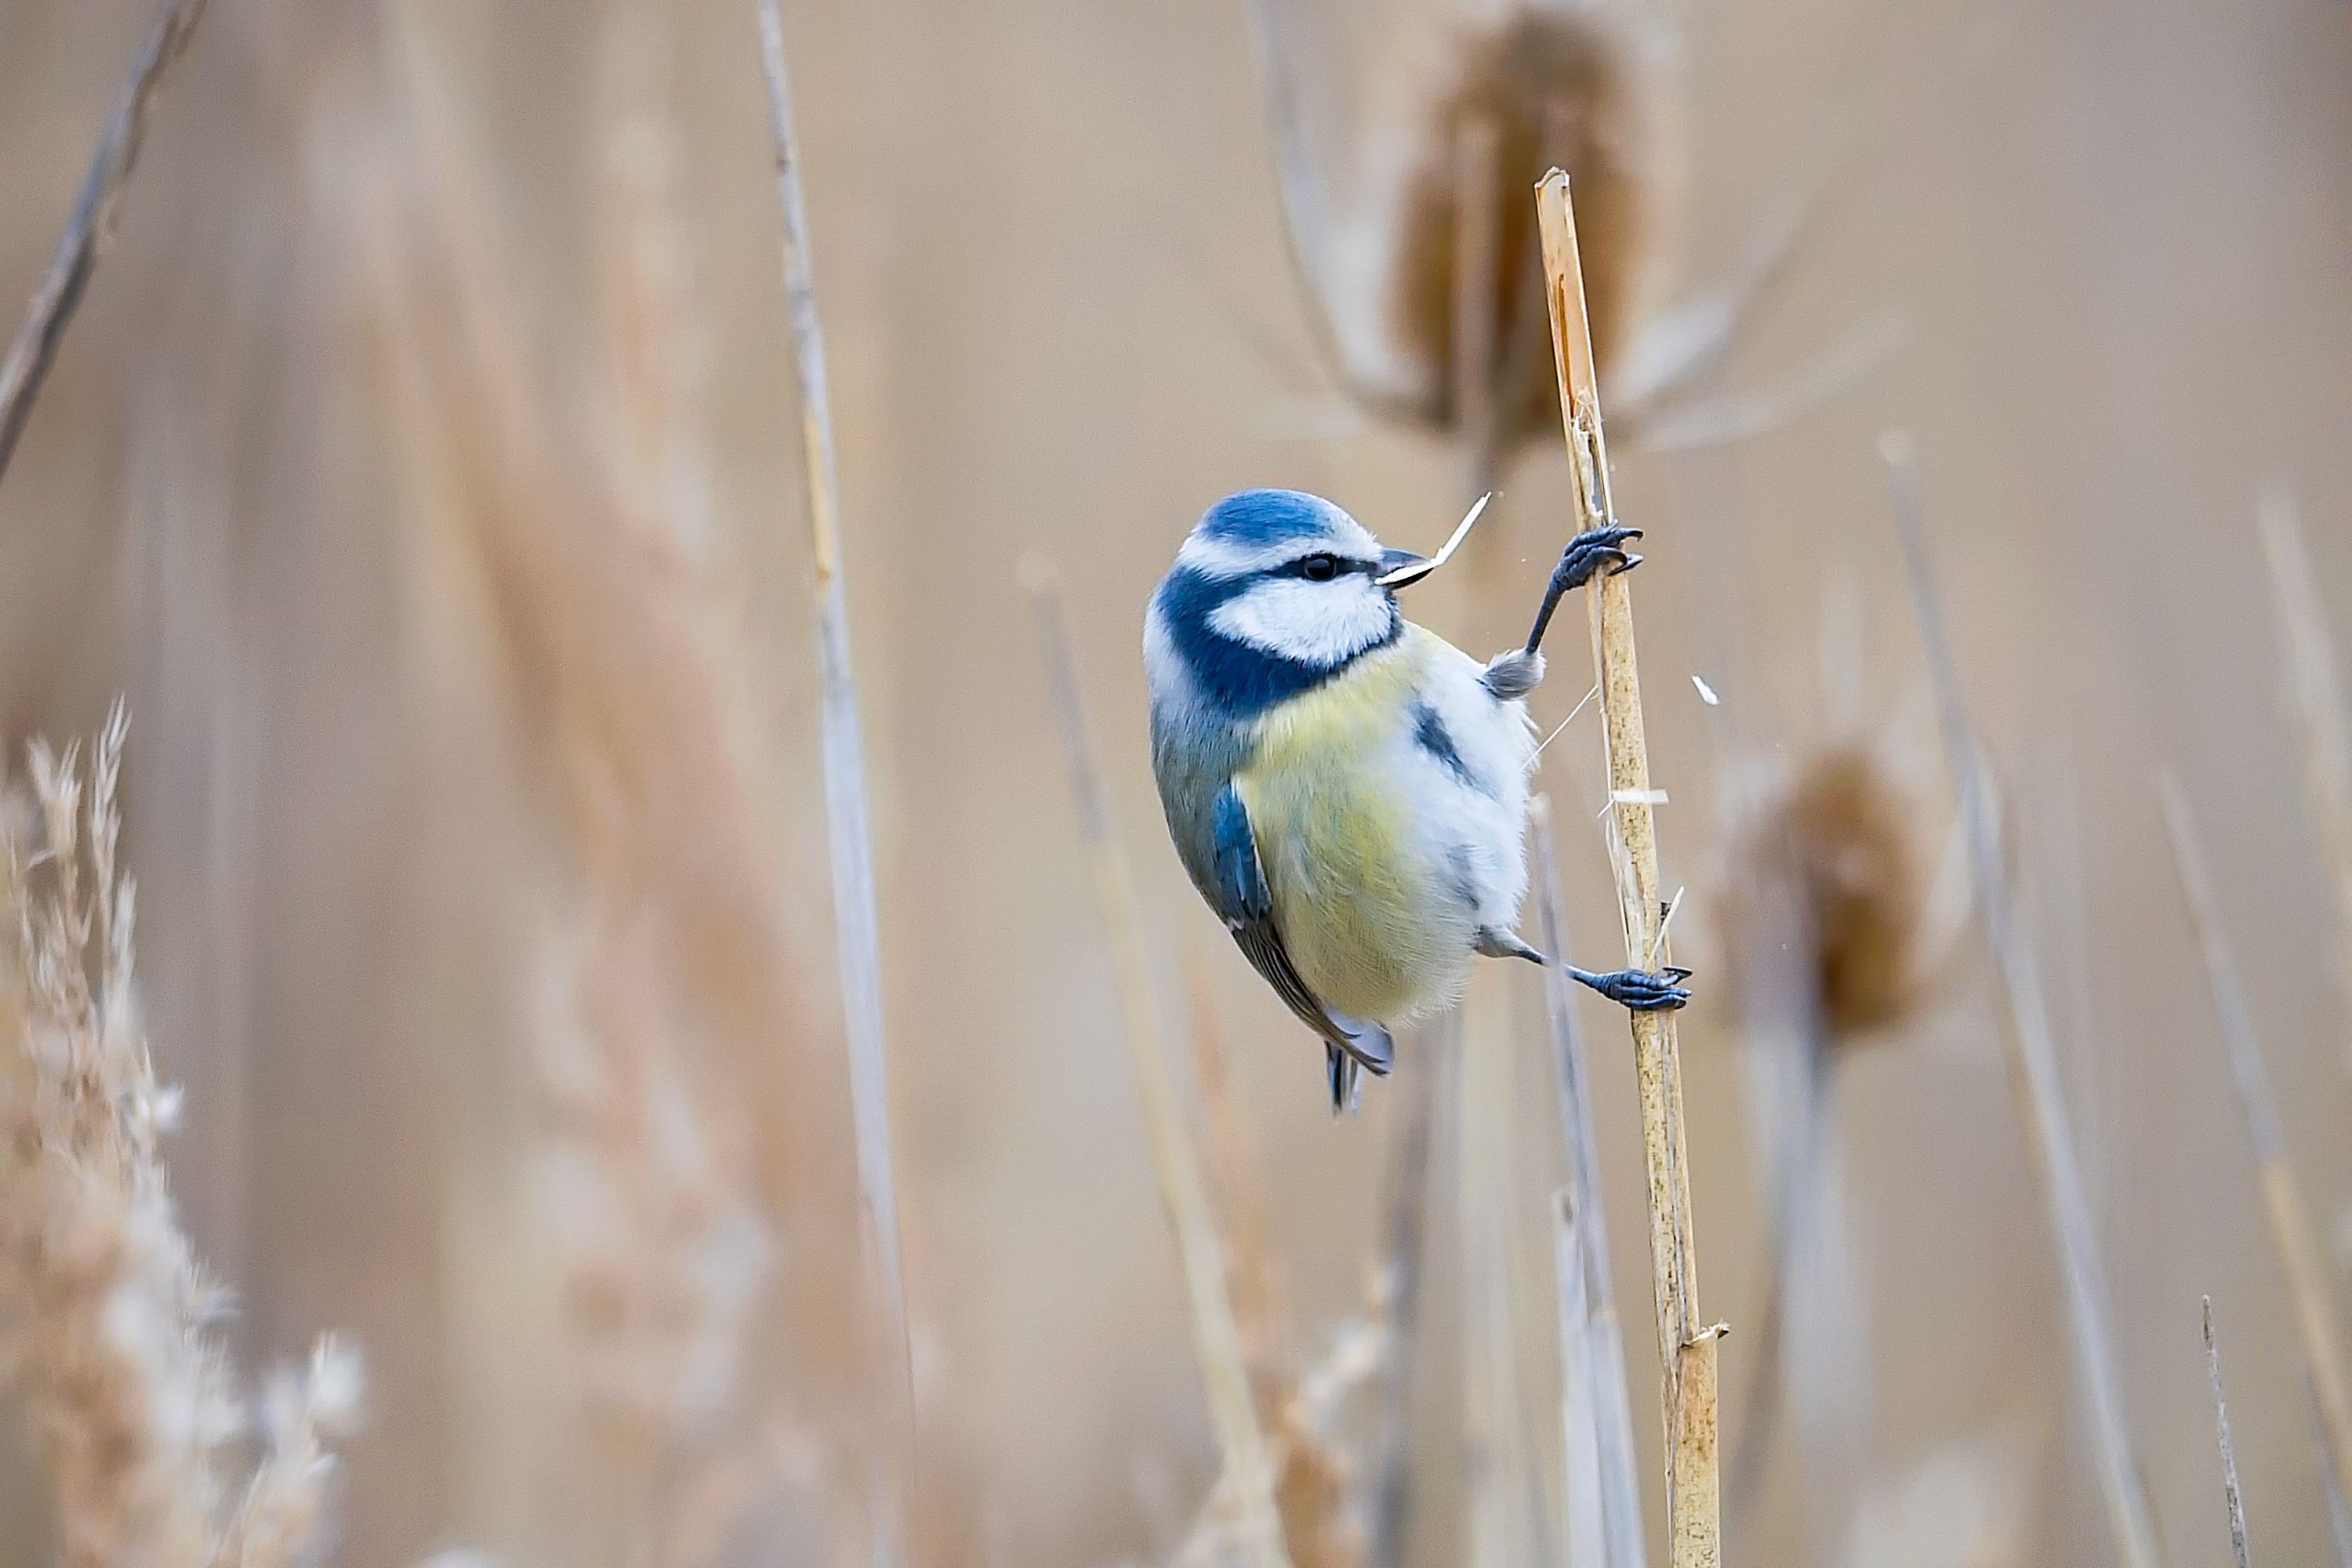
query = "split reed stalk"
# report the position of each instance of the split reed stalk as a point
(1686, 1345)
(2229, 1451)
(1600, 1410)
(2292, 1232)
(1216, 1333)
(856, 921)
(2309, 653)
(2033, 1061)
(90, 228)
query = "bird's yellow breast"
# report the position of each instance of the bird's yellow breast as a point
(1351, 890)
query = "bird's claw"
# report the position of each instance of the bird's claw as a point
(1589, 551)
(1642, 990)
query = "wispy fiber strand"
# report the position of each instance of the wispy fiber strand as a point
(1247, 1482)
(1686, 1342)
(2034, 1057)
(2308, 654)
(2228, 1450)
(2292, 1231)
(1592, 1342)
(90, 230)
(856, 921)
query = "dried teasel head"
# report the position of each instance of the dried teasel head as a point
(1522, 88)
(1822, 900)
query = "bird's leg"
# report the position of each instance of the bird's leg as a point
(1639, 989)
(1585, 555)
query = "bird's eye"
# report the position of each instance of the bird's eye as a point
(1320, 568)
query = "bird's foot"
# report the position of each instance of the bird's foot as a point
(1641, 990)
(1588, 552)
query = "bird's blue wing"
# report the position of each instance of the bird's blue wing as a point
(1247, 903)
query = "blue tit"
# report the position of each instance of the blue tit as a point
(1347, 789)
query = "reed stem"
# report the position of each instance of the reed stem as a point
(2034, 1062)
(1686, 1343)
(90, 228)
(856, 923)
(2292, 1231)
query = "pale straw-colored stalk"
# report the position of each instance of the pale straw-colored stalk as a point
(856, 923)
(2292, 1230)
(2034, 1078)
(1687, 1341)
(2307, 651)
(90, 228)
(1248, 1516)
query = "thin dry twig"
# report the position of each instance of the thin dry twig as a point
(1598, 1405)
(2033, 1059)
(2292, 1231)
(2308, 653)
(1247, 1484)
(1686, 1343)
(90, 229)
(2229, 1451)
(856, 921)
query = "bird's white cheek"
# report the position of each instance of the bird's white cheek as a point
(1315, 623)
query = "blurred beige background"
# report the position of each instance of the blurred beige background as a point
(401, 663)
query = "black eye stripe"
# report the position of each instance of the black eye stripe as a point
(1323, 567)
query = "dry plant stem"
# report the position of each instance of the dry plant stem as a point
(1592, 1345)
(2310, 654)
(1406, 1240)
(1686, 1343)
(2292, 1232)
(1216, 1336)
(2229, 1451)
(856, 923)
(90, 229)
(2034, 1064)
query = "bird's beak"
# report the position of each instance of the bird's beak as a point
(1403, 569)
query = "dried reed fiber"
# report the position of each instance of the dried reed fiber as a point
(2033, 1061)
(2229, 1451)
(856, 921)
(2296, 1239)
(90, 229)
(1242, 1511)
(1686, 1343)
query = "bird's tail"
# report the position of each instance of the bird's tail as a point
(1368, 1045)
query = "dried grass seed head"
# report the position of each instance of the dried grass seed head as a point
(1832, 850)
(1579, 86)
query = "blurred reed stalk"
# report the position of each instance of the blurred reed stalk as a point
(1249, 1517)
(90, 228)
(1405, 1240)
(1686, 1345)
(2033, 1059)
(2292, 1231)
(2307, 651)
(1602, 1496)
(856, 921)
(107, 1315)
(2229, 1451)
(1309, 1477)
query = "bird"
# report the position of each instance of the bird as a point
(1347, 789)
